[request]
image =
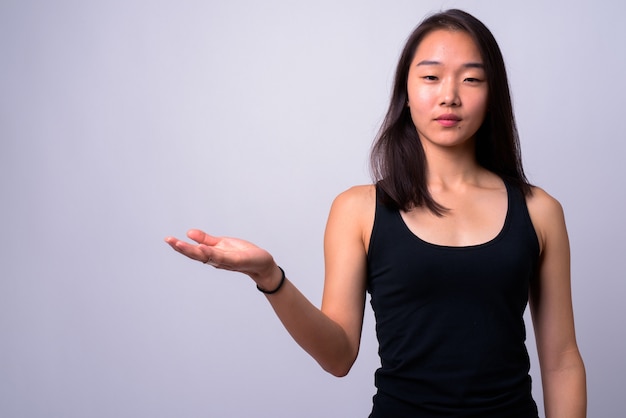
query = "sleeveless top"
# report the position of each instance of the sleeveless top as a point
(449, 320)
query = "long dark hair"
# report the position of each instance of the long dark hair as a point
(398, 162)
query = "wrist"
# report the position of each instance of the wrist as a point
(273, 283)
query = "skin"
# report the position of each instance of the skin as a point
(445, 79)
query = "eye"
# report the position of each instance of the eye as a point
(473, 80)
(430, 77)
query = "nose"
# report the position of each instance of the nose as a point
(449, 93)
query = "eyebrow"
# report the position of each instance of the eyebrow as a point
(467, 65)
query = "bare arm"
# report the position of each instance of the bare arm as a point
(562, 368)
(331, 335)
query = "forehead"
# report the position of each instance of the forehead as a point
(444, 45)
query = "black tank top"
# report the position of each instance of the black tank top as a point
(449, 320)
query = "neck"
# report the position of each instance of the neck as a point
(451, 167)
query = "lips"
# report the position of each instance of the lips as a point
(448, 119)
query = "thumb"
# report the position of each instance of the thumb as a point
(202, 237)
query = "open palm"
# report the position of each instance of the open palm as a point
(224, 253)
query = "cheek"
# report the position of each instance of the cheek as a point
(479, 106)
(419, 101)
(484, 102)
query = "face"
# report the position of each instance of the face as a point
(447, 90)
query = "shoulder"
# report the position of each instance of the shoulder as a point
(354, 210)
(357, 197)
(358, 202)
(542, 205)
(546, 214)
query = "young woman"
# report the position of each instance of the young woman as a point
(451, 242)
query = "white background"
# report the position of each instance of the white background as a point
(122, 122)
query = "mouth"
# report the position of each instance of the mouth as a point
(448, 120)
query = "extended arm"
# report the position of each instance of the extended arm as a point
(331, 335)
(562, 368)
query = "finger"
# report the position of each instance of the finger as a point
(202, 237)
(171, 241)
(178, 245)
(211, 262)
(212, 257)
(186, 249)
(220, 259)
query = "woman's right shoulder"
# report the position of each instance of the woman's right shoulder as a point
(357, 199)
(354, 210)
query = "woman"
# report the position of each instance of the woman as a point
(451, 242)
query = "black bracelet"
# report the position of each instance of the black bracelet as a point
(270, 292)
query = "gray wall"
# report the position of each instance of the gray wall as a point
(122, 122)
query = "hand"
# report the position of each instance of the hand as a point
(227, 253)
